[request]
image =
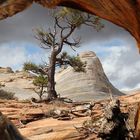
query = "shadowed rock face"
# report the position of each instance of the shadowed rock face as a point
(125, 13)
(93, 84)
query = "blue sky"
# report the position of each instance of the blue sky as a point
(115, 47)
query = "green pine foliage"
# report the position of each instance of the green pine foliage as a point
(73, 61)
(64, 55)
(30, 66)
(79, 18)
(77, 64)
(40, 81)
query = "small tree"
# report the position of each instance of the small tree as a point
(65, 23)
(77, 64)
(41, 82)
(30, 66)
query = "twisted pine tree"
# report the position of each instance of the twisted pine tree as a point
(66, 21)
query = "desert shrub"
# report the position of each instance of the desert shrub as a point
(40, 81)
(6, 95)
(30, 66)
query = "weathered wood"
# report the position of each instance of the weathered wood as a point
(114, 126)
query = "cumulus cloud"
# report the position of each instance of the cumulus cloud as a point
(11, 57)
(122, 66)
(14, 56)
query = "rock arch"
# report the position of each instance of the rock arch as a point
(125, 13)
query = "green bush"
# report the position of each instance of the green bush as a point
(6, 95)
(77, 64)
(30, 66)
(40, 81)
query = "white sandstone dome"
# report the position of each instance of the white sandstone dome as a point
(91, 85)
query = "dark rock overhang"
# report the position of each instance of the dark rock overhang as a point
(125, 13)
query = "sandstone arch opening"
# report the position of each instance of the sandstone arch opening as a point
(124, 13)
(74, 5)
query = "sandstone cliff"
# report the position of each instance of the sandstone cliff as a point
(93, 84)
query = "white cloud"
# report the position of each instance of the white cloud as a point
(13, 55)
(122, 66)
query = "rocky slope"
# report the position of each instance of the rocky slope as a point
(35, 124)
(19, 83)
(91, 85)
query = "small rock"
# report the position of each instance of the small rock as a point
(2, 84)
(82, 107)
(10, 80)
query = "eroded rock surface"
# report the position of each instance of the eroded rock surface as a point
(19, 83)
(91, 85)
(34, 124)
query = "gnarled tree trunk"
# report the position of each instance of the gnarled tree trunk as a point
(51, 77)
